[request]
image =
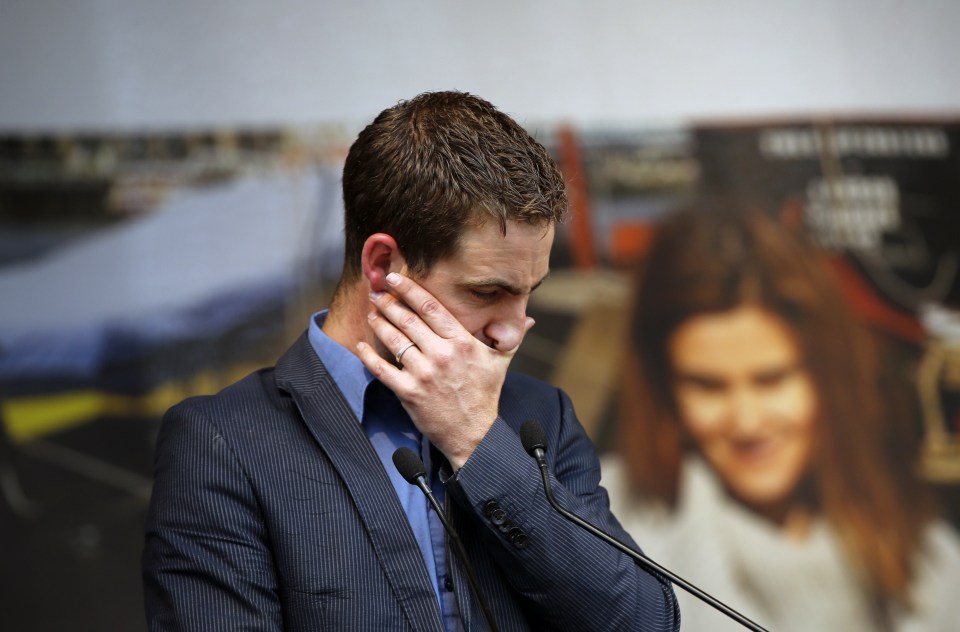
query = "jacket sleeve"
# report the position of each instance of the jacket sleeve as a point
(570, 579)
(206, 564)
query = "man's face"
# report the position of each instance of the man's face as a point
(487, 283)
(747, 400)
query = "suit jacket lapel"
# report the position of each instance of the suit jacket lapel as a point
(336, 429)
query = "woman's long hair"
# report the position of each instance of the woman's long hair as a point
(709, 261)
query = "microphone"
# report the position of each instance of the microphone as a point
(534, 441)
(412, 470)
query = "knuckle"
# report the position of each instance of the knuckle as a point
(394, 340)
(463, 346)
(443, 359)
(429, 306)
(427, 375)
(408, 320)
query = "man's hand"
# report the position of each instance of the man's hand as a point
(449, 382)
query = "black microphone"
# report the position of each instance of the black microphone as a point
(534, 441)
(412, 470)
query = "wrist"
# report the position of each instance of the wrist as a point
(460, 450)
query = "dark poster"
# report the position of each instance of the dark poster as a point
(884, 196)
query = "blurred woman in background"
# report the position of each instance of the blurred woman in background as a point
(760, 457)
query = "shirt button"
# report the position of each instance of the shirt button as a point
(447, 583)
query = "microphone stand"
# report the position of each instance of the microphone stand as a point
(534, 441)
(411, 468)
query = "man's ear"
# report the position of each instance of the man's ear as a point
(379, 257)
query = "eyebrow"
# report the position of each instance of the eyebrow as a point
(507, 287)
(698, 378)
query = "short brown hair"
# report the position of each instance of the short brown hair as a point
(712, 259)
(427, 167)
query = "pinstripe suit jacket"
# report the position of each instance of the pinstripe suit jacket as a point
(271, 510)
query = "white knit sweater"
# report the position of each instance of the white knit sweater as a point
(783, 584)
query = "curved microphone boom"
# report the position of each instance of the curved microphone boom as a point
(534, 441)
(412, 470)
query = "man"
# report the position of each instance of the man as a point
(276, 504)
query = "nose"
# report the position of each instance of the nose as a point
(508, 326)
(745, 410)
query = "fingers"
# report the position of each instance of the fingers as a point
(392, 377)
(404, 349)
(396, 341)
(429, 326)
(447, 380)
(413, 298)
(379, 367)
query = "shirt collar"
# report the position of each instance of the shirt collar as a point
(346, 369)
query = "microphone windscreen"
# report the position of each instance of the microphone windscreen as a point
(409, 465)
(532, 436)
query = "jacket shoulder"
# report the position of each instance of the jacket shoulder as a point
(236, 401)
